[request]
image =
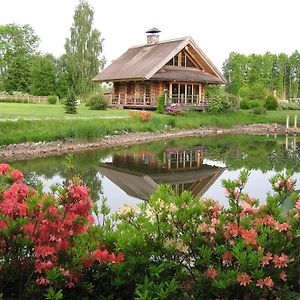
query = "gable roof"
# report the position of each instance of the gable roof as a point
(142, 62)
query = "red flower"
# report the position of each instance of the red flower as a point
(243, 279)
(17, 175)
(260, 283)
(4, 168)
(211, 273)
(101, 255)
(280, 261)
(227, 258)
(42, 281)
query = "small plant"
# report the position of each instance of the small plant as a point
(271, 103)
(142, 116)
(173, 109)
(70, 103)
(52, 99)
(161, 104)
(259, 110)
(97, 102)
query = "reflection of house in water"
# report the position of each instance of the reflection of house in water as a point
(140, 174)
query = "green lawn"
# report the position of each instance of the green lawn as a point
(42, 111)
(41, 122)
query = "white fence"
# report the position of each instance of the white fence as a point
(24, 98)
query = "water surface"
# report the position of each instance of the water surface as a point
(198, 164)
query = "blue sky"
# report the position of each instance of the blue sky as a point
(217, 26)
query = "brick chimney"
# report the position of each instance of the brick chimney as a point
(153, 36)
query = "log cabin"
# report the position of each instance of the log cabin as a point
(178, 68)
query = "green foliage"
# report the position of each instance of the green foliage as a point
(43, 75)
(248, 104)
(18, 44)
(52, 99)
(97, 102)
(83, 50)
(70, 103)
(259, 110)
(251, 76)
(220, 103)
(288, 105)
(161, 104)
(271, 103)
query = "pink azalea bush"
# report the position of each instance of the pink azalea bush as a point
(48, 243)
(204, 251)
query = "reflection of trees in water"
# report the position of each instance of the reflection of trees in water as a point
(84, 165)
(251, 152)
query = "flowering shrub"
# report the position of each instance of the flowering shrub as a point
(47, 241)
(193, 248)
(173, 109)
(142, 116)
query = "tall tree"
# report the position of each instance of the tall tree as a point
(43, 75)
(83, 49)
(17, 45)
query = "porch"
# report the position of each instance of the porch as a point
(149, 101)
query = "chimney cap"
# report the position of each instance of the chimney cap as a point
(153, 30)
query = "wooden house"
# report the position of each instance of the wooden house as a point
(177, 67)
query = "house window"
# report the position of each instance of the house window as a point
(182, 93)
(176, 60)
(189, 63)
(174, 90)
(183, 58)
(189, 93)
(148, 88)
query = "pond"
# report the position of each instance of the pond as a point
(198, 164)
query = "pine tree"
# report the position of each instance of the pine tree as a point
(70, 103)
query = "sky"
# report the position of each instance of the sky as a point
(217, 26)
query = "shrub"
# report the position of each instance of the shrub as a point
(193, 248)
(287, 105)
(255, 91)
(248, 104)
(52, 99)
(259, 110)
(161, 104)
(48, 243)
(174, 109)
(271, 103)
(220, 103)
(97, 102)
(142, 116)
(70, 103)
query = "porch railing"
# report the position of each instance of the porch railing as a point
(189, 100)
(124, 99)
(133, 99)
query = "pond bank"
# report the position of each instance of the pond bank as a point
(31, 150)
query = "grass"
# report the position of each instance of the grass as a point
(42, 122)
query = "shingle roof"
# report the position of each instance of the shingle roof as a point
(185, 74)
(144, 61)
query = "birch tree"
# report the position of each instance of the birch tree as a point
(83, 49)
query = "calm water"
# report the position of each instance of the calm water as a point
(198, 164)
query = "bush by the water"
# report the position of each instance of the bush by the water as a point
(170, 246)
(271, 103)
(220, 101)
(97, 102)
(52, 99)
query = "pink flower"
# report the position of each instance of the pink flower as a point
(282, 227)
(280, 261)
(268, 282)
(260, 283)
(266, 259)
(211, 273)
(247, 208)
(249, 236)
(4, 168)
(17, 175)
(243, 279)
(42, 281)
(297, 205)
(282, 276)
